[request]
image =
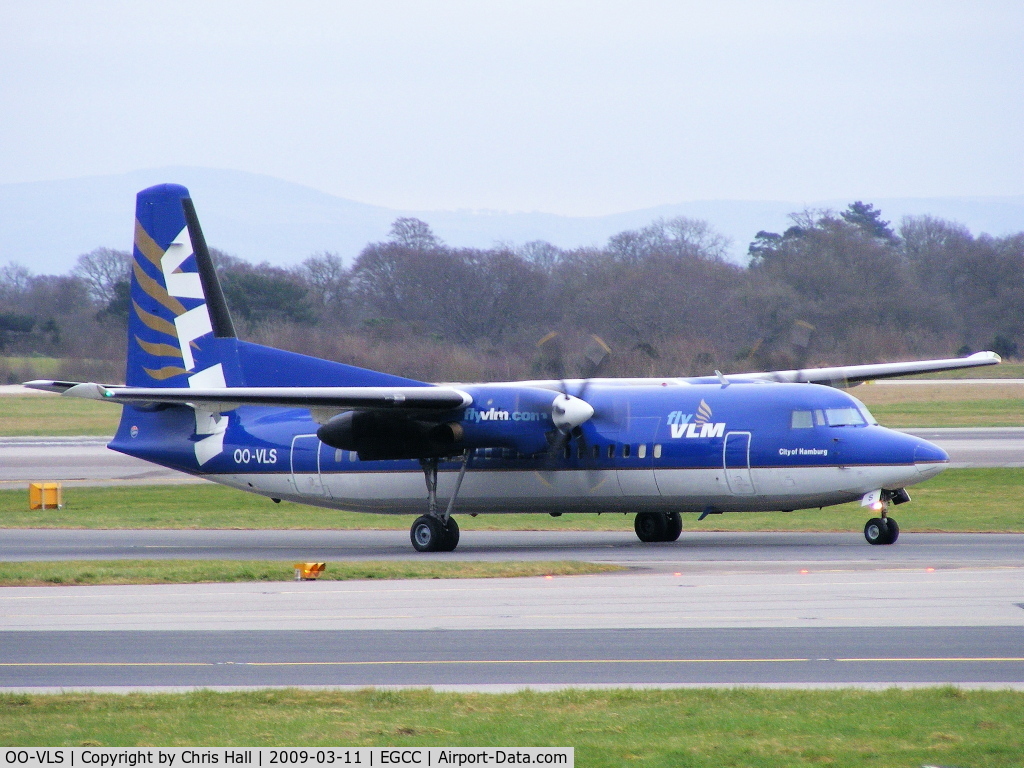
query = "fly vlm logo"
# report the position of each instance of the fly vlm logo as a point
(492, 414)
(685, 425)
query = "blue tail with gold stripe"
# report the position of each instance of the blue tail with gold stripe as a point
(180, 334)
(179, 327)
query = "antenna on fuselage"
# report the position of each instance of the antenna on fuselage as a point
(721, 378)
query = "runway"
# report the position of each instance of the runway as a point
(87, 460)
(502, 660)
(77, 461)
(715, 609)
(695, 550)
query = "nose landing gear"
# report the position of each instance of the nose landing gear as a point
(885, 529)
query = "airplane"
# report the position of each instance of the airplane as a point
(293, 427)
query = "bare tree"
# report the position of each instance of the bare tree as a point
(101, 270)
(414, 234)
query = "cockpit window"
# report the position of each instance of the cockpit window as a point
(844, 417)
(864, 411)
(802, 420)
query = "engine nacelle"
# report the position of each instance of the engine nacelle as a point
(376, 437)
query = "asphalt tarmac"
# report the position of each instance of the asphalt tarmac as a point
(712, 609)
(511, 659)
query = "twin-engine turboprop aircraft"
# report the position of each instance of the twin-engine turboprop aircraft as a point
(288, 426)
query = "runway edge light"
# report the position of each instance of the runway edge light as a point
(309, 571)
(45, 496)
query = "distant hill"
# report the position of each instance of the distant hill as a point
(46, 225)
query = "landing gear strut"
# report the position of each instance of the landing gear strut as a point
(437, 531)
(658, 526)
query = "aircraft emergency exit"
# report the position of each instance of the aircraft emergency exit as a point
(288, 426)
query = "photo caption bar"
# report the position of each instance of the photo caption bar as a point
(283, 757)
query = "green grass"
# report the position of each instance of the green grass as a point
(692, 727)
(1007, 412)
(80, 572)
(39, 367)
(957, 500)
(1002, 371)
(52, 415)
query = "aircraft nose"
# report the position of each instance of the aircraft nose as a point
(929, 459)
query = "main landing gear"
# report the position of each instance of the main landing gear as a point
(658, 526)
(437, 531)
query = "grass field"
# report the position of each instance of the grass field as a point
(971, 413)
(51, 415)
(81, 572)
(1002, 371)
(694, 727)
(957, 500)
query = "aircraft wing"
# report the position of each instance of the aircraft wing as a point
(225, 399)
(847, 375)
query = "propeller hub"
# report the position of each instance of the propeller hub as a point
(568, 412)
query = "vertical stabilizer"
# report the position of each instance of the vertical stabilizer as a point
(178, 315)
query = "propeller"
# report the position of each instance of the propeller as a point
(570, 411)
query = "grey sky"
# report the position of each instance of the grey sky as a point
(575, 108)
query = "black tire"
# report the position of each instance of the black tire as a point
(426, 534)
(894, 531)
(449, 537)
(875, 531)
(674, 526)
(650, 526)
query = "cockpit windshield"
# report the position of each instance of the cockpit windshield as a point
(864, 411)
(844, 417)
(847, 416)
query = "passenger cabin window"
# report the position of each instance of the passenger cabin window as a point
(626, 450)
(844, 417)
(657, 451)
(802, 420)
(641, 452)
(611, 450)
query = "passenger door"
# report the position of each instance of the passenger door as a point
(305, 465)
(736, 462)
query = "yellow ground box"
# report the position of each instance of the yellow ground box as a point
(45, 496)
(308, 571)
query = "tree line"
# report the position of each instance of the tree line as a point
(833, 288)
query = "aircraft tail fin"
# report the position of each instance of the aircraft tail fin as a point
(178, 318)
(180, 332)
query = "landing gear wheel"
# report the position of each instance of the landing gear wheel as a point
(650, 526)
(426, 534)
(450, 536)
(674, 526)
(894, 531)
(875, 531)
